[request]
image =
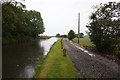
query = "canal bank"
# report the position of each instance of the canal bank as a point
(20, 60)
(55, 65)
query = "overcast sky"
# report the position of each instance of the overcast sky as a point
(60, 16)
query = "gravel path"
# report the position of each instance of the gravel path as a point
(91, 65)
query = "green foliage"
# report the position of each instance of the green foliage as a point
(81, 35)
(36, 22)
(64, 36)
(71, 34)
(18, 24)
(104, 27)
(58, 35)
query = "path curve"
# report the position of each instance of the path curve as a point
(90, 65)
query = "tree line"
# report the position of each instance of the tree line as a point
(20, 25)
(71, 35)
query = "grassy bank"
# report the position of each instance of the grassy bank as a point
(45, 37)
(84, 41)
(56, 65)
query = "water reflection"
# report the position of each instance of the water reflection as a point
(19, 61)
(28, 69)
(47, 43)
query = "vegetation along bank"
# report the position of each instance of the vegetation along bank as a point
(18, 24)
(55, 65)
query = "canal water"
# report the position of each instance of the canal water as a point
(19, 61)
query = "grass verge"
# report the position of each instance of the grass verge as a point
(55, 65)
(84, 41)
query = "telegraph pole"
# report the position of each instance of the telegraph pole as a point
(78, 26)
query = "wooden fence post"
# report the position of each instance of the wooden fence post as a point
(62, 43)
(64, 52)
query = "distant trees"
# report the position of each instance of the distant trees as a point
(58, 35)
(104, 27)
(71, 34)
(18, 24)
(81, 35)
(64, 36)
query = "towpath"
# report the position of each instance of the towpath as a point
(91, 65)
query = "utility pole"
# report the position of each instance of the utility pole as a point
(78, 26)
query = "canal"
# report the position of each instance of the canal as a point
(20, 60)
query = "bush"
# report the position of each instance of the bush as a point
(104, 28)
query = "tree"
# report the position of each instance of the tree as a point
(58, 35)
(36, 22)
(71, 34)
(104, 27)
(18, 24)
